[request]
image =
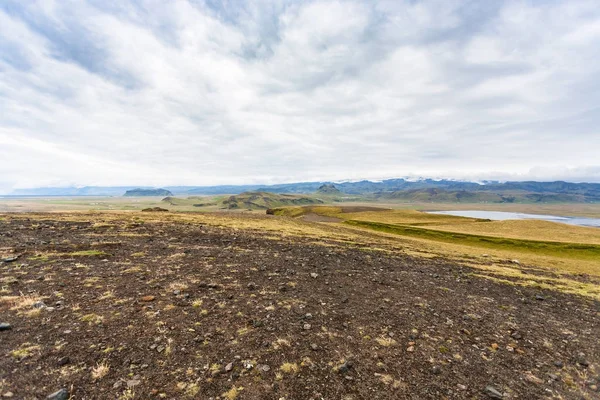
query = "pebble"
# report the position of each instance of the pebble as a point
(228, 367)
(516, 335)
(345, 367)
(436, 370)
(148, 298)
(581, 360)
(314, 346)
(493, 393)
(539, 297)
(306, 327)
(558, 364)
(5, 326)
(264, 368)
(251, 286)
(314, 275)
(38, 305)
(62, 394)
(8, 394)
(63, 361)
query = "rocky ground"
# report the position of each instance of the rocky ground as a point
(97, 308)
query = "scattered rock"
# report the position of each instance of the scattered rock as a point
(155, 209)
(264, 368)
(539, 297)
(516, 335)
(133, 383)
(62, 394)
(558, 364)
(176, 292)
(148, 298)
(529, 377)
(581, 360)
(492, 393)
(252, 286)
(314, 346)
(63, 361)
(306, 326)
(38, 305)
(8, 394)
(5, 326)
(515, 262)
(229, 367)
(345, 367)
(10, 259)
(314, 275)
(436, 370)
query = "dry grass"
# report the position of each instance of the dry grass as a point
(100, 371)
(24, 351)
(289, 368)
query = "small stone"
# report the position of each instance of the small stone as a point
(461, 387)
(133, 383)
(306, 326)
(529, 377)
(264, 368)
(515, 262)
(5, 326)
(176, 292)
(436, 370)
(160, 349)
(308, 316)
(581, 360)
(252, 286)
(516, 335)
(558, 364)
(148, 298)
(228, 367)
(314, 275)
(10, 259)
(314, 346)
(8, 394)
(63, 361)
(348, 378)
(410, 349)
(38, 305)
(62, 394)
(539, 297)
(553, 377)
(493, 393)
(345, 367)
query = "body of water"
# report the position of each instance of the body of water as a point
(502, 216)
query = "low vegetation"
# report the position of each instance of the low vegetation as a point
(240, 305)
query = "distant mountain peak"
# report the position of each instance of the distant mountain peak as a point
(328, 188)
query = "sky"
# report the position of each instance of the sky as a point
(231, 92)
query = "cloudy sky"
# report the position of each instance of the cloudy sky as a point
(208, 92)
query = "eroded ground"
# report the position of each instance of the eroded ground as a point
(141, 307)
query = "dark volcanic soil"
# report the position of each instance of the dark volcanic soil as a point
(180, 310)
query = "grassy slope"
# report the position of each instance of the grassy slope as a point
(558, 246)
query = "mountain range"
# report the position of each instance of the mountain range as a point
(390, 188)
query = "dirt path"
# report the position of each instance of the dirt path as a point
(130, 309)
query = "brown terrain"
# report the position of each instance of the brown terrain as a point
(152, 305)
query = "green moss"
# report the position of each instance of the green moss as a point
(578, 251)
(88, 253)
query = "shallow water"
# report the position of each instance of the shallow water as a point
(502, 216)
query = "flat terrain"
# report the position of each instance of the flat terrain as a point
(161, 305)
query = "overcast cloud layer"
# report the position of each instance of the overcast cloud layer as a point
(192, 92)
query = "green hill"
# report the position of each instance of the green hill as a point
(328, 189)
(266, 200)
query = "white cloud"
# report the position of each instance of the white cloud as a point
(181, 93)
